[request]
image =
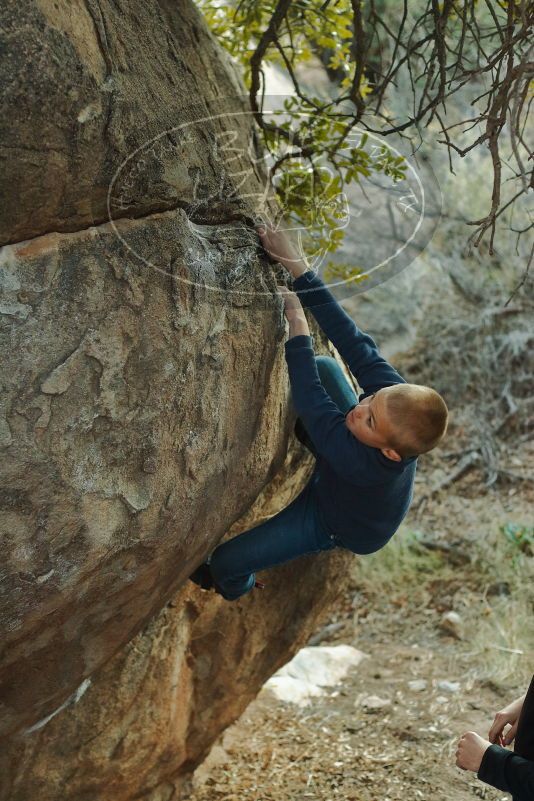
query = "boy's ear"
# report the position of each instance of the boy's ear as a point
(391, 454)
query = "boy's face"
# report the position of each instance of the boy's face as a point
(369, 422)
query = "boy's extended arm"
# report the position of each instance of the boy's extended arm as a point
(358, 349)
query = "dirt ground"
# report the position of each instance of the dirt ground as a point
(337, 747)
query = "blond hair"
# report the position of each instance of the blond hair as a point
(418, 417)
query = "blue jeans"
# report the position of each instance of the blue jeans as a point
(296, 530)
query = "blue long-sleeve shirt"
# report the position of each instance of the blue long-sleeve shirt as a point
(363, 495)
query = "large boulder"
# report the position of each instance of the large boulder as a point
(140, 353)
(140, 725)
(85, 85)
(144, 401)
(141, 418)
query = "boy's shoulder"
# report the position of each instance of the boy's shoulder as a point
(380, 468)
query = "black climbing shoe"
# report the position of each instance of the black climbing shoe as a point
(202, 576)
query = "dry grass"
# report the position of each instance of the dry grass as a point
(488, 581)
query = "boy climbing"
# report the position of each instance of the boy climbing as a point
(366, 449)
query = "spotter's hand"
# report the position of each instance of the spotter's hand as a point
(471, 748)
(507, 716)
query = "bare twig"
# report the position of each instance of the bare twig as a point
(466, 463)
(437, 52)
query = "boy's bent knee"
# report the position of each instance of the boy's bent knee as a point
(327, 361)
(327, 366)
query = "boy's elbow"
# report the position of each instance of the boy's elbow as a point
(373, 547)
(369, 550)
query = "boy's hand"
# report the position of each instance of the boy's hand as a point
(508, 715)
(471, 749)
(279, 246)
(294, 313)
(292, 305)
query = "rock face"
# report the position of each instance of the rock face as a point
(150, 715)
(143, 404)
(130, 410)
(85, 83)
